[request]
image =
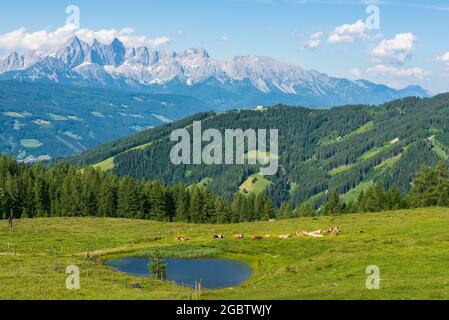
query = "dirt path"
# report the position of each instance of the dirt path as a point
(11, 254)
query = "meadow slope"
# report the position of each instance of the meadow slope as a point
(410, 248)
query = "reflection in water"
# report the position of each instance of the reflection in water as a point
(213, 273)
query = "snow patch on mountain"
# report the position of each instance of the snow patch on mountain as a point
(113, 65)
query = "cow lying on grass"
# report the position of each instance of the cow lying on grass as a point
(313, 234)
(335, 231)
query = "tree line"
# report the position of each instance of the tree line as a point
(65, 191)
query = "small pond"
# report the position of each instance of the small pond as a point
(213, 273)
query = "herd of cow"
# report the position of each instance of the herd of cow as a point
(334, 231)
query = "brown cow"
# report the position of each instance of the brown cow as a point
(181, 239)
(239, 236)
(335, 231)
(256, 238)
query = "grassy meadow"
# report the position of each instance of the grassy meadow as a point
(410, 248)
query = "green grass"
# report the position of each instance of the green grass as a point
(109, 164)
(204, 183)
(255, 183)
(365, 128)
(389, 163)
(293, 188)
(353, 194)
(31, 143)
(374, 152)
(410, 248)
(340, 169)
(331, 140)
(105, 165)
(440, 152)
(314, 199)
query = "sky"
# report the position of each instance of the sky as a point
(398, 43)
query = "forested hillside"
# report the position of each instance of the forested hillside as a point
(347, 149)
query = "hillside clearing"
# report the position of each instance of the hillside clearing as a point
(255, 183)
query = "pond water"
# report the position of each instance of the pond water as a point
(213, 273)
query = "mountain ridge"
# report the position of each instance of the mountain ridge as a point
(243, 81)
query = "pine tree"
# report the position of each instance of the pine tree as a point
(41, 198)
(182, 204)
(196, 205)
(306, 210)
(268, 208)
(285, 211)
(128, 202)
(334, 205)
(107, 197)
(158, 202)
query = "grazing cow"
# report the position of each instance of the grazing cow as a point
(335, 231)
(219, 236)
(284, 236)
(181, 239)
(256, 238)
(136, 286)
(239, 236)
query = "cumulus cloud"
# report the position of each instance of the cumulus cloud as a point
(313, 42)
(395, 51)
(21, 39)
(397, 72)
(445, 59)
(349, 32)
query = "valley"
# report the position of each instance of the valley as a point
(44, 121)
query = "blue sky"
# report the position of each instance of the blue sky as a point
(411, 46)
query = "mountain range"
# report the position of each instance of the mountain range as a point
(241, 82)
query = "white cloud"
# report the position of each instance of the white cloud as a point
(396, 50)
(395, 72)
(225, 38)
(355, 73)
(349, 32)
(313, 42)
(21, 39)
(445, 59)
